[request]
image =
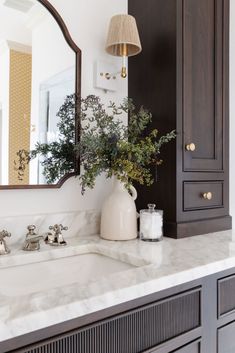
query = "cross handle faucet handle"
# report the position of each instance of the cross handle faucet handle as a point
(57, 228)
(56, 239)
(3, 234)
(31, 228)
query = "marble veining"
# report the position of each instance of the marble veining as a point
(80, 223)
(160, 266)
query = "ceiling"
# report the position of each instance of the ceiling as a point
(16, 19)
(19, 5)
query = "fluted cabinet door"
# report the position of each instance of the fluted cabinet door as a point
(131, 332)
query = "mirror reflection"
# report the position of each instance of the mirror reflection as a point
(37, 73)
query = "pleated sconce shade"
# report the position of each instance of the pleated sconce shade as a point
(123, 31)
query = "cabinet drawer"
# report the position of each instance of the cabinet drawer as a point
(226, 295)
(131, 332)
(202, 195)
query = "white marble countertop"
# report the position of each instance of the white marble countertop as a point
(162, 265)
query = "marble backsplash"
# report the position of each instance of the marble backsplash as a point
(79, 223)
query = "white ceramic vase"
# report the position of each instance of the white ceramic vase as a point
(118, 217)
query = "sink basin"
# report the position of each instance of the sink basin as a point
(42, 276)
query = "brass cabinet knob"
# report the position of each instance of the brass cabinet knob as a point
(207, 195)
(190, 147)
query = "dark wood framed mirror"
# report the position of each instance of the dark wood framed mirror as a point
(39, 96)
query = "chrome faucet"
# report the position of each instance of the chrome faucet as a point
(56, 238)
(4, 250)
(32, 241)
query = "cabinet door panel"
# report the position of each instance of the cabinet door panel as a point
(203, 84)
(226, 342)
(226, 298)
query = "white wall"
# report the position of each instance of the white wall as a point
(232, 110)
(87, 21)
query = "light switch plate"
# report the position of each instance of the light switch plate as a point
(105, 76)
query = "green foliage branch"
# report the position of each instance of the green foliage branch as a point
(58, 157)
(109, 146)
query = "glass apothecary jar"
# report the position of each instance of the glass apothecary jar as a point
(151, 224)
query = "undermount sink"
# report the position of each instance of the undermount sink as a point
(42, 276)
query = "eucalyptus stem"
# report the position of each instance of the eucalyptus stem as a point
(106, 144)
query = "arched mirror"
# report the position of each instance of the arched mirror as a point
(40, 79)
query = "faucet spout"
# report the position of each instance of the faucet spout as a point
(32, 241)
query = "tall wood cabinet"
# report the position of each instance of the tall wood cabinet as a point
(182, 77)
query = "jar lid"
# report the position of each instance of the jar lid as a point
(151, 208)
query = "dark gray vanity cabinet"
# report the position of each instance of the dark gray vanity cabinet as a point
(196, 317)
(175, 318)
(182, 77)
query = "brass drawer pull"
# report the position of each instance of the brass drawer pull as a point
(191, 147)
(207, 195)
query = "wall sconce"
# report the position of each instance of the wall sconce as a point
(123, 39)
